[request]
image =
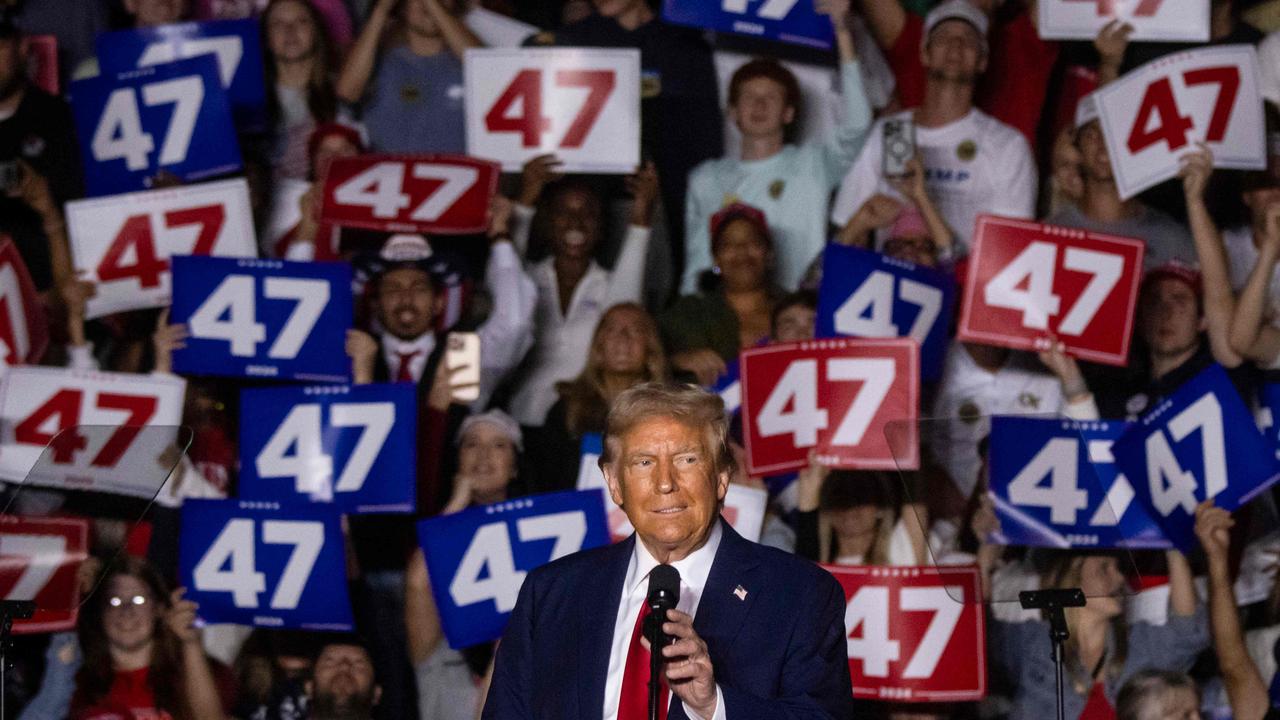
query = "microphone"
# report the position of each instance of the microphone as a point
(664, 593)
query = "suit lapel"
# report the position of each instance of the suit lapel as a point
(600, 598)
(732, 587)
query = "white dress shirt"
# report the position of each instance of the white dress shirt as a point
(693, 570)
(392, 346)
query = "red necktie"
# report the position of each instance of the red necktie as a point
(633, 703)
(403, 374)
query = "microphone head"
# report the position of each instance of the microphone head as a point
(664, 586)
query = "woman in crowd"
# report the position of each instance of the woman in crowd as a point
(573, 289)
(299, 71)
(851, 518)
(704, 332)
(142, 655)
(625, 351)
(489, 449)
(1104, 649)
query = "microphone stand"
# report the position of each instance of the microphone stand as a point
(1053, 603)
(10, 610)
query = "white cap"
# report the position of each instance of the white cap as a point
(504, 422)
(956, 10)
(1086, 110)
(405, 248)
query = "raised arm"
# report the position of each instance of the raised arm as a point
(1251, 334)
(198, 686)
(457, 36)
(626, 280)
(421, 620)
(1111, 43)
(1245, 690)
(1219, 300)
(363, 56)
(842, 147)
(885, 19)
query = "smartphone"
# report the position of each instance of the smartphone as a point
(10, 175)
(462, 359)
(899, 146)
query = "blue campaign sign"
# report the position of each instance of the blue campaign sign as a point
(260, 564)
(1055, 484)
(235, 44)
(262, 318)
(1180, 454)
(867, 294)
(789, 21)
(729, 387)
(353, 446)
(478, 558)
(172, 117)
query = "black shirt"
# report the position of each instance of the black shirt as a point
(1145, 392)
(40, 132)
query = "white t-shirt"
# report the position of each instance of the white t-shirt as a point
(974, 165)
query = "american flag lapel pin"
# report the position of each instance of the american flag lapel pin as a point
(741, 592)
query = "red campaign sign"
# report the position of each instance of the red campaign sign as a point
(42, 62)
(1028, 283)
(915, 634)
(834, 395)
(40, 560)
(24, 330)
(443, 194)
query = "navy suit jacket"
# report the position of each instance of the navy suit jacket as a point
(778, 653)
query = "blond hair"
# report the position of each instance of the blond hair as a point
(686, 404)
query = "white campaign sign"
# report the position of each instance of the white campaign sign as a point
(106, 453)
(1185, 20)
(123, 243)
(1156, 114)
(581, 104)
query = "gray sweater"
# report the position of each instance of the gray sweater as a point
(1021, 651)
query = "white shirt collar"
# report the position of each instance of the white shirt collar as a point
(392, 346)
(693, 568)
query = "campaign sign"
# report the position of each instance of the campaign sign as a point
(264, 565)
(24, 330)
(351, 445)
(134, 124)
(95, 417)
(1055, 484)
(263, 318)
(1180, 454)
(1168, 20)
(1029, 283)
(915, 634)
(123, 243)
(729, 387)
(583, 104)
(1157, 113)
(42, 63)
(834, 395)
(870, 295)
(789, 21)
(442, 194)
(478, 558)
(234, 44)
(40, 561)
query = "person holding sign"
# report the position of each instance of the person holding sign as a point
(746, 643)
(1104, 649)
(789, 183)
(141, 653)
(973, 163)
(405, 73)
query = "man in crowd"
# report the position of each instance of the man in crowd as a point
(790, 183)
(1101, 210)
(343, 685)
(667, 463)
(404, 72)
(973, 163)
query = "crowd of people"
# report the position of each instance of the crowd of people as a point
(584, 286)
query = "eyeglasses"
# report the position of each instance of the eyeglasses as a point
(116, 602)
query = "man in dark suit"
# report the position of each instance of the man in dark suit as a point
(758, 633)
